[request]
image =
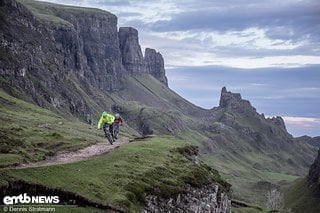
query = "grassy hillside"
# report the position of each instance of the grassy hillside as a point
(148, 90)
(160, 166)
(250, 168)
(31, 133)
(46, 11)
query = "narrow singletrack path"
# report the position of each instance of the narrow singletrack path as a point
(79, 155)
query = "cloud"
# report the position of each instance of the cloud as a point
(278, 91)
(287, 16)
(237, 33)
(303, 126)
(300, 120)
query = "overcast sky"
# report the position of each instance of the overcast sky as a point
(234, 43)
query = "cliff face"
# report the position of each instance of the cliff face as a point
(91, 48)
(155, 65)
(132, 58)
(233, 104)
(48, 61)
(54, 50)
(209, 198)
(314, 175)
(234, 101)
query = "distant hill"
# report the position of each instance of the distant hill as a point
(314, 141)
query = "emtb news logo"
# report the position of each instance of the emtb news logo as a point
(25, 199)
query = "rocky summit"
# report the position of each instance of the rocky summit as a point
(234, 101)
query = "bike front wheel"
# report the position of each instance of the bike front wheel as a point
(109, 138)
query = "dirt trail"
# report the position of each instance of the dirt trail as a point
(82, 154)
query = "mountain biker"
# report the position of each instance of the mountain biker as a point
(105, 121)
(118, 121)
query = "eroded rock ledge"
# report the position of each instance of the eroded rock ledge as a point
(209, 198)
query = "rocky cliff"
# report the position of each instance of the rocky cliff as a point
(314, 175)
(155, 65)
(206, 199)
(235, 109)
(234, 101)
(56, 52)
(132, 58)
(237, 126)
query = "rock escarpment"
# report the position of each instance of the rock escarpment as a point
(206, 199)
(132, 58)
(155, 65)
(314, 175)
(51, 53)
(241, 118)
(234, 101)
(232, 105)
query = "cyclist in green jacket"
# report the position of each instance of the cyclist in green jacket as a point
(105, 121)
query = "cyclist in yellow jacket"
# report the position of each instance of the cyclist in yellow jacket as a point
(105, 121)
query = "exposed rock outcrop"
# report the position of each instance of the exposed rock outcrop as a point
(132, 58)
(314, 175)
(234, 101)
(155, 65)
(263, 133)
(206, 199)
(277, 121)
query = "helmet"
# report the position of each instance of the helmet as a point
(104, 113)
(117, 115)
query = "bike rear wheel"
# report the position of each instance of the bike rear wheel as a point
(116, 131)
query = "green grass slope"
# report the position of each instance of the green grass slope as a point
(31, 133)
(47, 12)
(121, 179)
(149, 91)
